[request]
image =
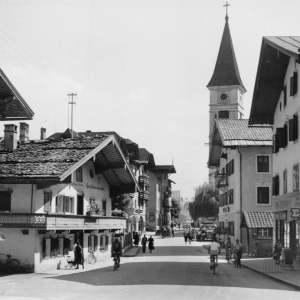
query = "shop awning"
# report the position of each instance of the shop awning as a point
(258, 219)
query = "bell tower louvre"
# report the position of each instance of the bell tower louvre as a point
(225, 86)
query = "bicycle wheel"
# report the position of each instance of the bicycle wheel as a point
(214, 268)
(13, 266)
(115, 264)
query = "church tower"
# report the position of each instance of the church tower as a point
(226, 87)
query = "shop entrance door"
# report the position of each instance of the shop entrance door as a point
(293, 237)
(79, 205)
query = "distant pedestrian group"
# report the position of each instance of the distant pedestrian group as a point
(150, 242)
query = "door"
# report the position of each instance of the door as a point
(79, 205)
(293, 237)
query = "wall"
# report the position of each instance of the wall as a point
(153, 203)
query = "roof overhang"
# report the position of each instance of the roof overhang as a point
(111, 163)
(269, 83)
(12, 106)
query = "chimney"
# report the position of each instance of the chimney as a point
(10, 137)
(43, 133)
(24, 132)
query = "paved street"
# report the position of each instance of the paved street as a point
(173, 270)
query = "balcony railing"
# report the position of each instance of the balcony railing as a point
(60, 222)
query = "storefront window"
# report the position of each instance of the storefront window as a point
(286, 235)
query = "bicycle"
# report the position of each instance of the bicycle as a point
(214, 264)
(91, 258)
(228, 256)
(116, 260)
(11, 265)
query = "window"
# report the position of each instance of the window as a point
(285, 181)
(296, 178)
(79, 174)
(293, 128)
(64, 204)
(231, 196)
(281, 138)
(263, 164)
(224, 114)
(263, 195)
(264, 231)
(231, 228)
(47, 201)
(275, 185)
(5, 201)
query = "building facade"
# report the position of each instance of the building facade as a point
(53, 193)
(276, 101)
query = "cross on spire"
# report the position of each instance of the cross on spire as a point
(226, 5)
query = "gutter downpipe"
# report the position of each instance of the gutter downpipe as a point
(31, 198)
(241, 190)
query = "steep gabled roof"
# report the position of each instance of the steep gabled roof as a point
(146, 158)
(226, 70)
(163, 169)
(274, 59)
(56, 160)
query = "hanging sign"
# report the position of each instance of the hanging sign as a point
(295, 212)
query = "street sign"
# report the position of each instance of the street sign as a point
(295, 212)
(138, 211)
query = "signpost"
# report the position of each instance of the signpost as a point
(295, 212)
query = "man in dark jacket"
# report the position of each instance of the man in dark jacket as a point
(144, 243)
(117, 250)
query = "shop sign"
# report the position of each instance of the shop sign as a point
(151, 216)
(27, 221)
(91, 186)
(280, 216)
(90, 220)
(138, 211)
(295, 212)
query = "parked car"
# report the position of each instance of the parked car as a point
(207, 230)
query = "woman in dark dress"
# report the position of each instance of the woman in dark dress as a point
(277, 251)
(151, 244)
(136, 239)
(78, 255)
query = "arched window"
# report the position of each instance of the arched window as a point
(224, 114)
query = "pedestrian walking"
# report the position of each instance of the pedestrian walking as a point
(78, 255)
(172, 232)
(185, 237)
(151, 244)
(238, 249)
(277, 251)
(179, 225)
(136, 239)
(144, 243)
(190, 237)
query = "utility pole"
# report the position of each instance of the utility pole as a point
(71, 95)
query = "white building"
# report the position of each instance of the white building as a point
(276, 101)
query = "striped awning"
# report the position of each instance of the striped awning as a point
(259, 219)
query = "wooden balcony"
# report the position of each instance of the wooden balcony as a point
(60, 221)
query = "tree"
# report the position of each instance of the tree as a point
(206, 202)
(175, 209)
(123, 203)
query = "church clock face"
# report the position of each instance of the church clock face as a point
(223, 96)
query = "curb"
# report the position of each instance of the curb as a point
(132, 255)
(295, 286)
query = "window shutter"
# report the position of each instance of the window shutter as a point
(233, 166)
(291, 86)
(232, 196)
(273, 186)
(106, 242)
(280, 132)
(274, 144)
(291, 129)
(295, 83)
(276, 185)
(47, 202)
(285, 135)
(295, 127)
(95, 243)
(284, 96)
(59, 203)
(101, 241)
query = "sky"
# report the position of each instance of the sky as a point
(139, 68)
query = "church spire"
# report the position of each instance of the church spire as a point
(226, 70)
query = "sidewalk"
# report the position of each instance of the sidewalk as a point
(267, 267)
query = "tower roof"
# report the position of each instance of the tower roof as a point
(226, 70)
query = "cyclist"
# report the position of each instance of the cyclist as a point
(214, 249)
(228, 248)
(117, 250)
